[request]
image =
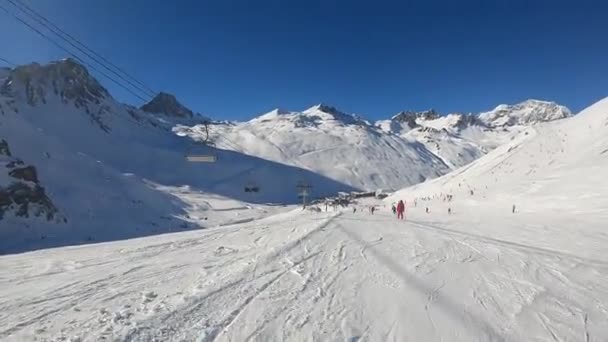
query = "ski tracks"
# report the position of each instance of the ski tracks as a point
(213, 316)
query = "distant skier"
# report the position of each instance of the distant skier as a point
(400, 209)
(354, 210)
(449, 211)
(394, 209)
(427, 210)
(513, 209)
(372, 209)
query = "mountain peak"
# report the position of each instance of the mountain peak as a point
(530, 111)
(325, 108)
(167, 104)
(65, 78)
(410, 117)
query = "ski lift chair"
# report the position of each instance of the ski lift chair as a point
(251, 187)
(200, 153)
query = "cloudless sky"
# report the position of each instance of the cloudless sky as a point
(235, 59)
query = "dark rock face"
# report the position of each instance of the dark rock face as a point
(4, 150)
(24, 195)
(467, 120)
(66, 78)
(27, 173)
(28, 201)
(410, 117)
(168, 105)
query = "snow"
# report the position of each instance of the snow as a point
(527, 112)
(323, 140)
(321, 276)
(481, 273)
(105, 166)
(513, 246)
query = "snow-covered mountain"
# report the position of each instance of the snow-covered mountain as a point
(408, 148)
(524, 113)
(467, 269)
(111, 170)
(556, 167)
(458, 139)
(327, 141)
(97, 158)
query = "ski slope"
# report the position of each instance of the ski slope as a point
(304, 276)
(481, 273)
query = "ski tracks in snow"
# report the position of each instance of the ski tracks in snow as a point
(314, 276)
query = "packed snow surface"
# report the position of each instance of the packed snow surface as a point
(304, 276)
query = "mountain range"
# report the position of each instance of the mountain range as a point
(79, 166)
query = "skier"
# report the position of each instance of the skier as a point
(372, 209)
(394, 209)
(354, 210)
(400, 209)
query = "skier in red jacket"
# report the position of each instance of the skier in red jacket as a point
(400, 209)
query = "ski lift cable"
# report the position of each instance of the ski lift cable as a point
(54, 42)
(84, 46)
(75, 44)
(8, 62)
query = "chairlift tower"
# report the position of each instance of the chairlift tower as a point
(303, 191)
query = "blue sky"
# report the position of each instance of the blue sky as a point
(237, 59)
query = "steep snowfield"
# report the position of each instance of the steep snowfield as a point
(481, 273)
(106, 166)
(337, 145)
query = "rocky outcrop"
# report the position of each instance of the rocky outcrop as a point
(67, 79)
(410, 117)
(22, 194)
(167, 104)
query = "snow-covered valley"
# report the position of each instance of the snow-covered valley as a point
(505, 240)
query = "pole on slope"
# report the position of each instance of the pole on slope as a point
(303, 191)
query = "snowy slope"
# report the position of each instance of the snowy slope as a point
(481, 273)
(554, 170)
(561, 160)
(340, 146)
(107, 166)
(407, 149)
